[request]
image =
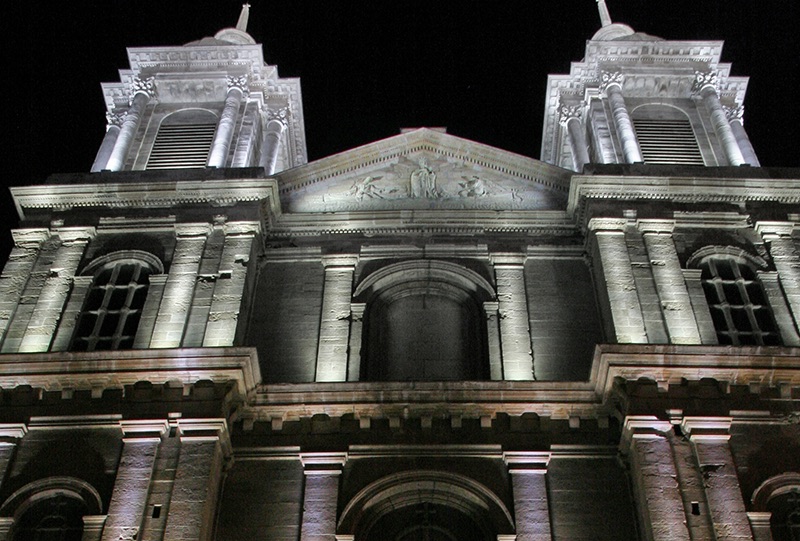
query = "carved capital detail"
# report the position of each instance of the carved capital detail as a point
(735, 112)
(608, 78)
(239, 82)
(279, 115)
(115, 119)
(567, 112)
(705, 79)
(143, 86)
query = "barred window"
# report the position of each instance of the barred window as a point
(737, 302)
(114, 302)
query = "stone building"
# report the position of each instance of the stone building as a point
(207, 337)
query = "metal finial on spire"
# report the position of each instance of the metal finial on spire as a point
(605, 17)
(243, 16)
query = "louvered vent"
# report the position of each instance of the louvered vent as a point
(668, 141)
(181, 146)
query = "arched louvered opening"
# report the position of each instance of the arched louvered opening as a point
(666, 136)
(183, 140)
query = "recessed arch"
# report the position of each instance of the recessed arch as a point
(27, 496)
(403, 490)
(773, 487)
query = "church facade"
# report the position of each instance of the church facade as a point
(423, 338)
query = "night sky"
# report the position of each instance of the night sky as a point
(371, 67)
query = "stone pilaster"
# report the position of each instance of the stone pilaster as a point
(176, 300)
(10, 434)
(702, 313)
(53, 294)
(786, 256)
(570, 119)
(780, 310)
(710, 438)
(676, 304)
(611, 251)
(735, 117)
(334, 324)
(271, 145)
(237, 86)
(208, 273)
(93, 527)
(515, 334)
(134, 476)
(655, 478)
(357, 310)
(5, 526)
(147, 322)
(205, 445)
(492, 311)
(321, 495)
(18, 268)
(142, 90)
(705, 86)
(642, 270)
(228, 288)
(72, 310)
(529, 488)
(611, 84)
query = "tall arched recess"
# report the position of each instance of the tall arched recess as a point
(424, 320)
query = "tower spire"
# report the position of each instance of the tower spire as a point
(605, 17)
(243, 17)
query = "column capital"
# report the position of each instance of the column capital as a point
(280, 115)
(508, 259)
(734, 113)
(115, 119)
(707, 428)
(705, 80)
(656, 226)
(775, 230)
(143, 86)
(135, 429)
(30, 238)
(13, 430)
(609, 79)
(241, 228)
(645, 426)
(75, 234)
(527, 461)
(238, 82)
(193, 230)
(323, 463)
(209, 429)
(339, 261)
(608, 224)
(567, 112)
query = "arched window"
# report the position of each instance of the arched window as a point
(51, 509)
(665, 135)
(183, 140)
(780, 496)
(424, 321)
(737, 301)
(114, 301)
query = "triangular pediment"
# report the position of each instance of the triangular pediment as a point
(424, 169)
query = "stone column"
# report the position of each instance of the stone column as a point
(142, 90)
(710, 437)
(134, 475)
(237, 87)
(759, 523)
(611, 251)
(786, 256)
(529, 488)
(515, 334)
(611, 84)
(334, 324)
(228, 289)
(570, 119)
(205, 445)
(271, 144)
(357, 310)
(702, 313)
(735, 118)
(656, 488)
(492, 311)
(705, 86)
(53, 295)
(107, 146)
(676, 304)
(10, 434)
(179, 288)
(321, 495)
(13, 280)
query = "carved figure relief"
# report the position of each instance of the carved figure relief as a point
(423, 181)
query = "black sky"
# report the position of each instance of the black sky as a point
(369, 67)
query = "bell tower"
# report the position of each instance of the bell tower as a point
(637, 98)
(210, 103)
